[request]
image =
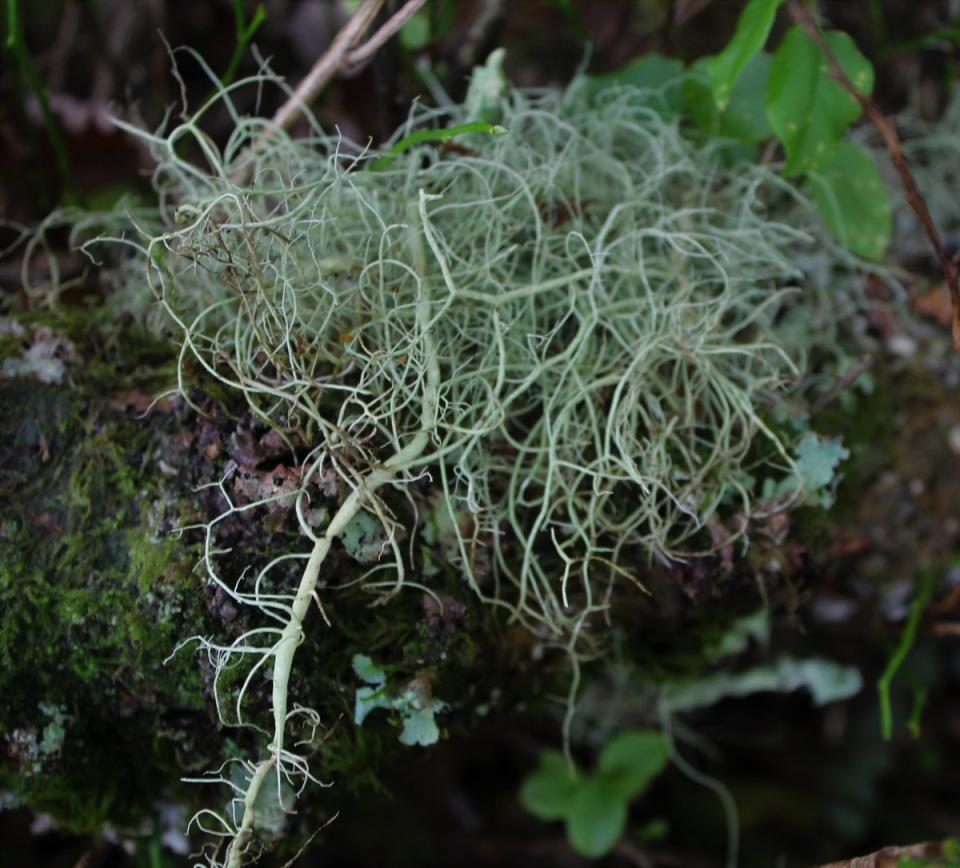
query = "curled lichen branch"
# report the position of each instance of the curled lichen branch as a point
(292, 635)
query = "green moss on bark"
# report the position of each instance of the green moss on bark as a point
(93, 596)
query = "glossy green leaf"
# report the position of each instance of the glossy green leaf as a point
(631, 760)
(853, 201)
(807, 109)
(549, 793)
(745, 118)
(597, 818)
(753, 28)
(652, 72)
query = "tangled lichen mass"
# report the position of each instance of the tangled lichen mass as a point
(567, 331)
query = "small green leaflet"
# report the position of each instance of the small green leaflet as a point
(595, 806)
(753, 28)
(660, 76)
(818, 459)
(744, 119)
(852, 199)
(597, 820)
(807, 109)
(367, 670)
(488, 84)
(549, 792)
(421, 136)
(364, 538)
(631, 760)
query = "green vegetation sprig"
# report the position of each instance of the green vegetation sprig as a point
(16, 45)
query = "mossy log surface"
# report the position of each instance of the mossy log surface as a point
(96, 590)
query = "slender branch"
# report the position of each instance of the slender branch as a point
(888, 131)
(245, 31)
(846, 379)
(329, 64)
(342, 54)
(364, 52)
(907, 638)
(16, 43)
(293, 634)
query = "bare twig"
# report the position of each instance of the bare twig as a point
(846, 379)
(489, 13)
(364, 52)
(329, 64)
(306, 843)
(342, 53)
(888, 131)
(892, 856)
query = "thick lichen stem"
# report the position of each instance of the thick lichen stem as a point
(292, 635)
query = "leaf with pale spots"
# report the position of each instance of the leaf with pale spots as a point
(753, 28)
(853, 201)
(744, 118)
(808, 110)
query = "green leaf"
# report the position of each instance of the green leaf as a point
(817, 461)
(597, 818)
(853, 201)
(550, 791)
(420, 136)
(744, 118)
(652, 72)
(807, 109)
(631, 760)
(753, 28)
(951, 851)
(415, 34)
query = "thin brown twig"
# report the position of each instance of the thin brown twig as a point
(947, 604)
(888, 131)
(846, 379)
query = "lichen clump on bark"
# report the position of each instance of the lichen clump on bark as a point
(562, 340)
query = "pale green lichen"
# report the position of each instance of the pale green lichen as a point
(569, 333)
(416, 708)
